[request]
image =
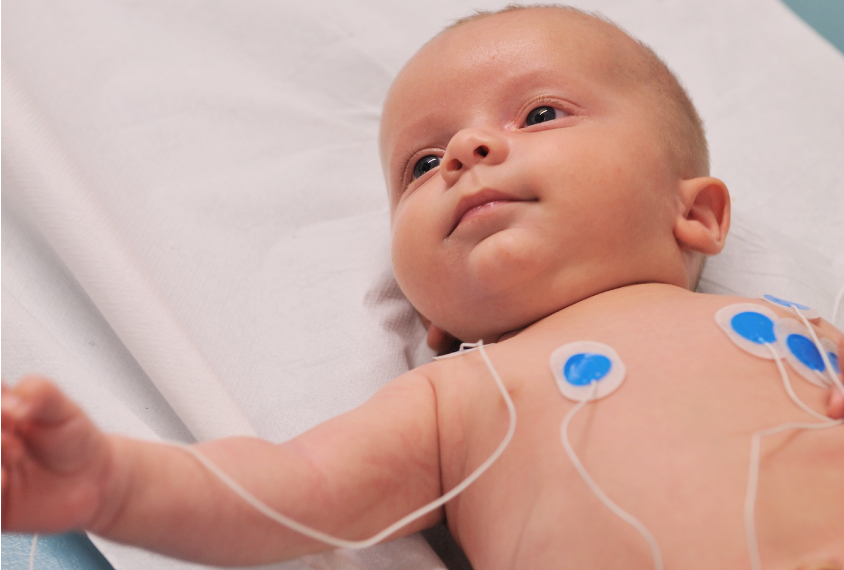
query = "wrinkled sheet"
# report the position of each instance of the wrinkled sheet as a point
(195, 238)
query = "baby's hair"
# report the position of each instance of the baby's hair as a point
(683, 135)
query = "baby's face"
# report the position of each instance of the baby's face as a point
(525, 174)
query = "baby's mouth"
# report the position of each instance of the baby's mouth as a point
(476, 204)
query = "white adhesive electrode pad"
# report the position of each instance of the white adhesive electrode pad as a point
(576, 366)
(808, 312)
(795, 342)
(750, 327)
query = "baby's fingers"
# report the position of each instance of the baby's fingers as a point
(835, 402)
(835, 405)
(36, 399)
(11, 450)
(53, 430)
(10, 406)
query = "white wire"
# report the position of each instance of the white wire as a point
(753, 481)
(32, 551)
(828, 366)
(618, 511)
(269, 512)
(471, 346)
(837, 304)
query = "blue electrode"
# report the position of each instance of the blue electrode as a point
(833, 361)
(751, 327)
(784, 303)
(801, 352)
(808, 312)
(584, 368)
(587, 370)
(754, 326)
(759, 331)
(805, 351)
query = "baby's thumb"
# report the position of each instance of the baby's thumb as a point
(36, 399)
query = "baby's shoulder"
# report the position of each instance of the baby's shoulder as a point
(658, 306)
(658, 325)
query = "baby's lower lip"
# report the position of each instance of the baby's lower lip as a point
(482, 209)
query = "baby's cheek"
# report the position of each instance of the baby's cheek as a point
(411, 260)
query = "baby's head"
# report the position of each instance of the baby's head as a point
(536, 157)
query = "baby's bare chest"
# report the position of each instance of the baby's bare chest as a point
(677, 421)
(644, 369)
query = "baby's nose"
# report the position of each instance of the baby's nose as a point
(469, 148)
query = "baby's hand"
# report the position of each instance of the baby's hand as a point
(55, 460)
(835, 403)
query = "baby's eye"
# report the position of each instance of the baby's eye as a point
(424, 164)
(542, 114)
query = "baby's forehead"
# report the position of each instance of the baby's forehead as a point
(492, 38)
(494, 41)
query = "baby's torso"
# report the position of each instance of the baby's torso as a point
(671, 446)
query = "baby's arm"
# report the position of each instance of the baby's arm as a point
(350, 477)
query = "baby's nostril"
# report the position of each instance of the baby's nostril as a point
(454, 165)
(482, 150)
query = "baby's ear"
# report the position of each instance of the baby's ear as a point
(440, 341)
(704, 217)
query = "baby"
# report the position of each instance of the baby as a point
(549, 184)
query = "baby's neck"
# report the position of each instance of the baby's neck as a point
(625, 294)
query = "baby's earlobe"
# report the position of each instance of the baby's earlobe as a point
(439, 340)
(704, 217)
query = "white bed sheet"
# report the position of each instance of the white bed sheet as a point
(217, 165)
